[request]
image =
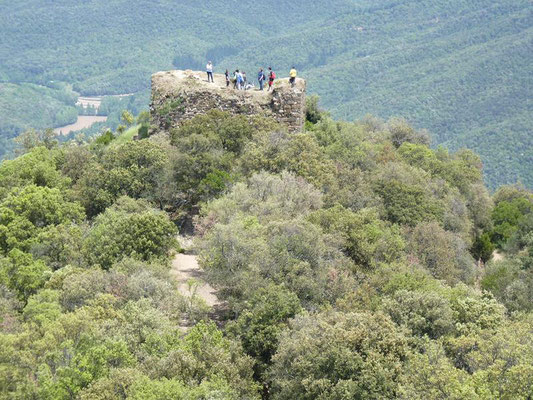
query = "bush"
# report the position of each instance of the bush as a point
(129, 229)
(366, 363)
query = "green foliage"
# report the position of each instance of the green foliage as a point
(405, 198)
(40, 167)
(498, 360)
(32, 138)
(27, 212)
(422, 313)
(445, 255)
(129, 229)
(264, 196)
(133, 169)
(483, 248)
(261, 323)
(510, 283)
(474, 313)
(105, 138)
(401, 132)
(23, 274)
(368, 240)
(313, 113)
(260, 238)
(127, 117)
(208, 146)
(341, 257)
(366, 363)
(297, 153)
(511, 206)
(458, 56)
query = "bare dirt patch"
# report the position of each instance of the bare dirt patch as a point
(497, 256)
(84, 121)
(188, 275)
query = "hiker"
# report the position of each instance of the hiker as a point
(238, 78)
(271, 77)
(234, 80)
(209, 69)
(261, 78)
(244, 80)
(227, 78)
(292, 75)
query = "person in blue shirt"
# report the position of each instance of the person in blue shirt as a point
(261, 78)
(238, 79)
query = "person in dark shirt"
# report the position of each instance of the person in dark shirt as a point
(261, 78)
(227, 78)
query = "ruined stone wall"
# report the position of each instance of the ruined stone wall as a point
(180, 95)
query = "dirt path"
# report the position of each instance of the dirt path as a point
(497, 256)
(186, 270)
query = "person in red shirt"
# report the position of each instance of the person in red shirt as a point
(271, 77)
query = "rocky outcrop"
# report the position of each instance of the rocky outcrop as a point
(181, 95)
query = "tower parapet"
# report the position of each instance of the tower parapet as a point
(180, 95)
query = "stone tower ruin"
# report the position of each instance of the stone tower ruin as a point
(180, 95)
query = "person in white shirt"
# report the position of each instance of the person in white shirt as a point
(209, 69)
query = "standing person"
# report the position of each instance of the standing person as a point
(244, 80)
(209, 69)
(261, 78)
(293, 73)
(271, 77)
(227, 78)
(235, 79)
(238, 76)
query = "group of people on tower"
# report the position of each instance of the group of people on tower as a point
(240, 81)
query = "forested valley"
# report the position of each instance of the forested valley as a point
(352, 261)
(461, 69)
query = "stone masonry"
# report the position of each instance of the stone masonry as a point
(181, 95)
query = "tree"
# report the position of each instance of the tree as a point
(444, 254)
(333, 355)
(499, 360)
(510, 283)
(208, 147)
(26, 212)
(507, 215)
(261, 323)
(38, 167)
(422, 313)
(432, 375)
(482, 248)
(400, 131)
(24, 275)
(406, 195)
(313, 113)
(32, 138)
(299, 154)
(134, 169)
(204, 355)
(129, 229)
(127, 117)
(367, 239)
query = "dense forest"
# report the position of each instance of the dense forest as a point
(460, 69)
(353, 262)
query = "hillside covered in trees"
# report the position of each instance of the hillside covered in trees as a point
(353, 262)
(460, 69)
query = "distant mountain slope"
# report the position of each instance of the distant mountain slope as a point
(461, 69)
